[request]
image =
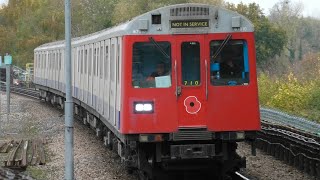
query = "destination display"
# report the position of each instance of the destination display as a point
(189, 23)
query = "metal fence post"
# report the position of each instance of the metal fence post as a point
(8, 89)
(8, 62)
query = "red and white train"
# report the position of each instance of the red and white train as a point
(176, 85)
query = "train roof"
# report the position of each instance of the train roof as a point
(188, 18)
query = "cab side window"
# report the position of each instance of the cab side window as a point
(229, 65)
(151, 65)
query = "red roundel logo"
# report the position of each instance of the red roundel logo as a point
(192, 105)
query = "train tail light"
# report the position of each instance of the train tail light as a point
(143, 107)
(150, 137)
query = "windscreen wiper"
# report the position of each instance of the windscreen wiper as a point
(223, 44)
(159, 48)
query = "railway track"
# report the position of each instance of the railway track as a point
(29, 92)
(25, 91)
(293, 146)
(239, 176)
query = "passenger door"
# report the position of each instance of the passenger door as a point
(191, 80)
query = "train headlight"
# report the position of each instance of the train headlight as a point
(143, 107)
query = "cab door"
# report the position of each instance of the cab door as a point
(191, 80)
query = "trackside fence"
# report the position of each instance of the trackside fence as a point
(276, 116)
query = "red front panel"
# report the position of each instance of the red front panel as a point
(191, 110)
(197, 103)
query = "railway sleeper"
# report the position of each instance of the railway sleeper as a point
(295, 155)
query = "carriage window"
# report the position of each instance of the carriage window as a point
(190, 54)
(229, 67)
(151, 65)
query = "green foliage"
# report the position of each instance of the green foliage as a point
(292, 95)
(296, 92)
(270, 39)
(268, 87)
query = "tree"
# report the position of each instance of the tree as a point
(270, 39)
(287, 15)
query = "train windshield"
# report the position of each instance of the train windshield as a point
(230, 66)
(151, 66)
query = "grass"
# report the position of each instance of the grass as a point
(36, 173)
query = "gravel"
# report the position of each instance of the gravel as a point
(30, 119)
(266, 167)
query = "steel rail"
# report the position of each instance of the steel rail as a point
(23, 91)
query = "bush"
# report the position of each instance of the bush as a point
(290, 95)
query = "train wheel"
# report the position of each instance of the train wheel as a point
(52, 100)
(47, 99)
(62, 105)
(143, 175)
(149, 176)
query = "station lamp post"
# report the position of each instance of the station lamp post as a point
(69, 159)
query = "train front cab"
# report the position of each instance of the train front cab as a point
(200, 107)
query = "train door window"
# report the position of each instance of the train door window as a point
(112, 63)
(57, 61)
(229, 67)
(190, 62)
(151, 65)
(98, 61)
(101, 61)
(41, 62)
(45, 60)
(54, 60)
(84, 58)
(90, 61)
(79, 61)
(106, 63)
(60, 60)
(94, 61)
(118, 62)
(49, 61)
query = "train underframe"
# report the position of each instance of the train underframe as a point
(164, 156)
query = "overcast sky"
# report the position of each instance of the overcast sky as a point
(311, 7)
